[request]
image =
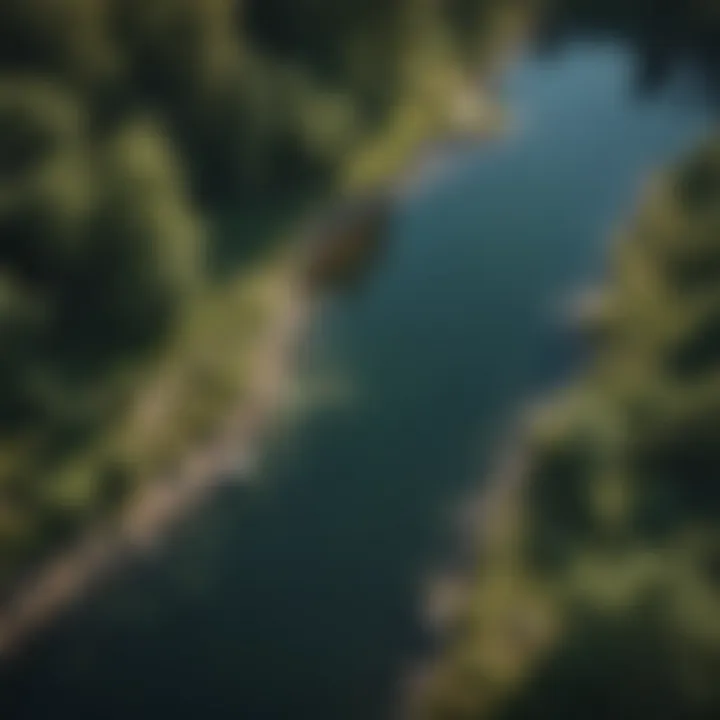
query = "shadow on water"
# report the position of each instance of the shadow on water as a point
(667, 38)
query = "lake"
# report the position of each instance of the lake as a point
(298, 596)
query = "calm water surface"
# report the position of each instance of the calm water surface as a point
(298, 598)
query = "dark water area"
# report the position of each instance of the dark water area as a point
(298, 597)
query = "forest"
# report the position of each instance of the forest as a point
(596, 592)
(152, 154)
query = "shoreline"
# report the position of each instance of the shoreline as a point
(229, 456)
(483, 518)
(151, 513)
(64, 578)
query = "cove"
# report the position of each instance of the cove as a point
(298, 597)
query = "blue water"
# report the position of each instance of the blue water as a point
(298, 597)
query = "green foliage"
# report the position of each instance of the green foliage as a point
(129, 129)
(616, 519)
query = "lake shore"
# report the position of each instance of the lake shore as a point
(162, 502)
(326, 246)
(483, 521)
(375, 179)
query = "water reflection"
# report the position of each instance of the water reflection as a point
(668, 38)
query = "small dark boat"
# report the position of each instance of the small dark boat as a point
(347, 243)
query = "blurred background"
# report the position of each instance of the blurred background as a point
(359, 358)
